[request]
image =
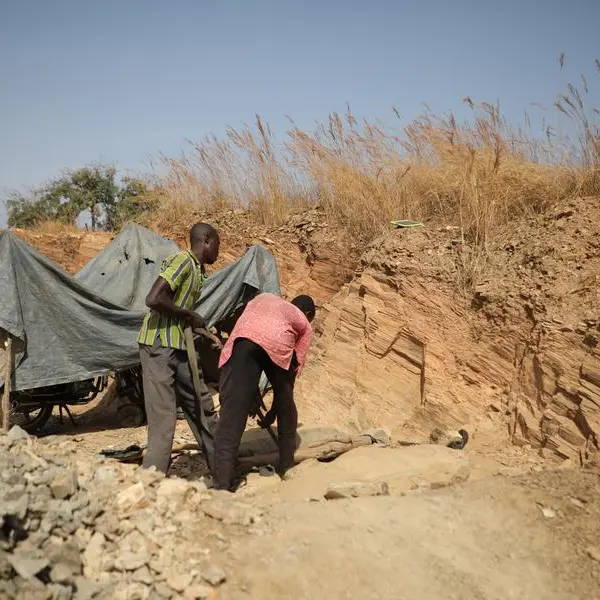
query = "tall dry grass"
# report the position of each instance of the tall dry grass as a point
(480, 175)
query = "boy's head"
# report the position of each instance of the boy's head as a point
(307, 305)
(205, 242)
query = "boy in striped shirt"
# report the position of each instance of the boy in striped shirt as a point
(165, 368)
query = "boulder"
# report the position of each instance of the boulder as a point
(403, 469)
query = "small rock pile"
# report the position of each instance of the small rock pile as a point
(75, 527)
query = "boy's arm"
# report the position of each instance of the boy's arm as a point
(161, 296)
(302, 346)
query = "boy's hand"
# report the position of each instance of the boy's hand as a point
(196, 321)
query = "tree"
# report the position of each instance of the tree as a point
(92, 188)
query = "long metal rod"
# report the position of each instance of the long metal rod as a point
(7, 384)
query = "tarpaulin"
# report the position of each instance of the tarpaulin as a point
(71, 329)
(125, 270)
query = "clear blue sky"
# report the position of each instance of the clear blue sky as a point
(118, 80)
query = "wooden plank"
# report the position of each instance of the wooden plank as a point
(7, 383)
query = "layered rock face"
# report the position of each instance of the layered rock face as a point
(405, 346)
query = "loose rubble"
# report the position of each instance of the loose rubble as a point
(358, 489)
(77, 528)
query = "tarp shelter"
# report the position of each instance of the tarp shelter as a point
(65, 331)
(125, 270)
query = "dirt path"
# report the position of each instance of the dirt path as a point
(487, 540)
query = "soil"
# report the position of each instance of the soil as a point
(485, 540)
(526, 523)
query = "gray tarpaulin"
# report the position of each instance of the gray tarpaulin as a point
(125, 270)
(68, 332)
(64, 331)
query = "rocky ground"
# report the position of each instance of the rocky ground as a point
(376, 523)
(401, 341)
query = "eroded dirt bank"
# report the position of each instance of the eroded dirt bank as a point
(400, 346)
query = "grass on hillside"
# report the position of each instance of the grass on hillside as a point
(479, 175)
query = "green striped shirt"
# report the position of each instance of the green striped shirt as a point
(185, 277)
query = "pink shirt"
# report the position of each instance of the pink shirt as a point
(277, 326)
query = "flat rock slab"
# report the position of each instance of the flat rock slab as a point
(402, 469)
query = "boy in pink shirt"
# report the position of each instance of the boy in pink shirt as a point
(272, 335)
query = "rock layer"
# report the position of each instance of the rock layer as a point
(405, 347)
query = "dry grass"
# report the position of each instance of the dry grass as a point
(52, 227)
(479, 175)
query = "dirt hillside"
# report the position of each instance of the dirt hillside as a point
(401, 346)
(399, 343)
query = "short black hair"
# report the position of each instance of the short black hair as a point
(202, 231)
(305, 303)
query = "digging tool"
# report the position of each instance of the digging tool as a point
(193, 360)
(217, 345)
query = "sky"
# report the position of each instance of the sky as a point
(119, 81)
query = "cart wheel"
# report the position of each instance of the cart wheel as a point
(131, 415)
(31, 417)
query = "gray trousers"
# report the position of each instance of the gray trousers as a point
(167, 384)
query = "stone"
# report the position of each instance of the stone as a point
(163, 590)
(108, 524)
(197, 591)
(149, 476)
(82, 537)
(16, 503)
(131, 561)
(231, 512)
(61, 573)
(445, 437)
(131, 591)
(26, 565)
(172, 493)
(593, 552)
(80, 500)
(179, 581)
(380, 435)
(299, 469)
(5, 566)
(145, 523)
(214, 575)
(16, 434)
(358, 489)
(7, 590)
(64, 485)
(132, 498)
(92, 557)
(105, 476)
(85, 589)
(547, 512)
(31, 590)
(157, 563)
(143, 575)
(60, 592)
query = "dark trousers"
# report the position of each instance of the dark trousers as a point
(167, 384)
(238, 391)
